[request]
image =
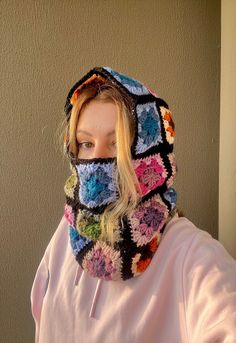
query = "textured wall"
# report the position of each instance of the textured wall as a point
(173, 46)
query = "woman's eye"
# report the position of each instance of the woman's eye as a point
(85, 145)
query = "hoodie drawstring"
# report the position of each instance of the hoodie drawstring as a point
(96, 294)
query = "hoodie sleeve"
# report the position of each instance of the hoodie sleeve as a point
(39, 289)
(209, 283)
(40, 283)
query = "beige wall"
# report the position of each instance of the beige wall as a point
(171, 45)
(227, 179)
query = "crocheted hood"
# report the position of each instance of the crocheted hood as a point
(153, 160)
(155, 129)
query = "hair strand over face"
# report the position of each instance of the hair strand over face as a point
(127, 182)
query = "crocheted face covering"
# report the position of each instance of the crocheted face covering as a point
(93, 186)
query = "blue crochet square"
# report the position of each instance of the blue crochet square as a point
(171, 196)
(133, 86)
(149, 127)
(96, 184)
(78, 242)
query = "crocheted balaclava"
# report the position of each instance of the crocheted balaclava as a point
(92, 186)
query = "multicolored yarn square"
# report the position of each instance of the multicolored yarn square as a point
(149, 217)
(77, 241)
(149, 127)
(103, 261)
(168, 124)
(140, 262)
(88, 224)
(96, 186)
(132, 85)
(171, 196)
(93, 80)
(173, 164)
(151, 172)
(70, 186)
(69, 214)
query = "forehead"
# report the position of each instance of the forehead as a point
(98, 116)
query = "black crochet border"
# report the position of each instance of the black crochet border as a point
(137, 99)
(127, 247)
(104, 73)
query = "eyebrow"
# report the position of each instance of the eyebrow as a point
(89, 134)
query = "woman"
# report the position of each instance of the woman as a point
(123, 264)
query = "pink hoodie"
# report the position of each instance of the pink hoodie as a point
(187, 294)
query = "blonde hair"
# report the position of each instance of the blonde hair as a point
(127, 182)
